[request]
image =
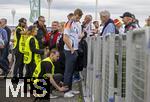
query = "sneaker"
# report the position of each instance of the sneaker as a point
(53, 96)
(68, 94)
(75, 92)
(76, 80)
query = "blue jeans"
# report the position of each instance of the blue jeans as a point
(69, 67)
(4, 59)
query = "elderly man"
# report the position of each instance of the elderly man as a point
(87, 25)
(108, 24)
(128, 21)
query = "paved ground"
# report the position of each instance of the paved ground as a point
(3, 97)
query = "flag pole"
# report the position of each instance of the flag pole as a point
(49, 5)
(96, 9)
(39, 7)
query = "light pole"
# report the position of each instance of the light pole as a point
(13, 12)
(49, 5)
(96, 9)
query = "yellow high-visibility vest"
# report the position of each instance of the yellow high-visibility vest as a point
(37, 70)
(28, 53)
(22, 40)
(36, 74)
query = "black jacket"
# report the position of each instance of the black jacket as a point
(129, 27)
(40, 33)
(33, 48)
(82, 55)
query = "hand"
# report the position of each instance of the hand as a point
(43, 26)
(72, 51)
(1, 46)
(61, 84)
(43, 39)
(62, 89)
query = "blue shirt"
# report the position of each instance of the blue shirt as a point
(3, 34)
(109, 29)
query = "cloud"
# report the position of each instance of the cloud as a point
(14, 2)
(116, 7)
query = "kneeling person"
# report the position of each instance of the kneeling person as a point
(45, 70)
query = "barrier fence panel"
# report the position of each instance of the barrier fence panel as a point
(97, 72)
(119, 67)
(89, 80)
(105, 70)
(112, 66)
(137, 88)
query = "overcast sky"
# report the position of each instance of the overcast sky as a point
(60, 8)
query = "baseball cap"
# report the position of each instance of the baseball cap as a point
(126, 14)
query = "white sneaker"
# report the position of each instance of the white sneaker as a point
(75, 92)
(68, 94)
(53, 96)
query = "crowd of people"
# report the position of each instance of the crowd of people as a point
(58, 54)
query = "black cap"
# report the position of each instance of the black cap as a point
(127, 14)
(22, 20)
(133, 16)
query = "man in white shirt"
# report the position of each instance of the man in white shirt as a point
(72, 33)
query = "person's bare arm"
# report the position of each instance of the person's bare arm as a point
(68, 43)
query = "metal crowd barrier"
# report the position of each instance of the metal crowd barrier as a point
(107, 72)
(118, 68)
(97, 71)
(89, 77)
(138, 66)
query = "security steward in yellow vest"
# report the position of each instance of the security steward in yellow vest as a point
(32, 53)
(45, 70)
(19, 45)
